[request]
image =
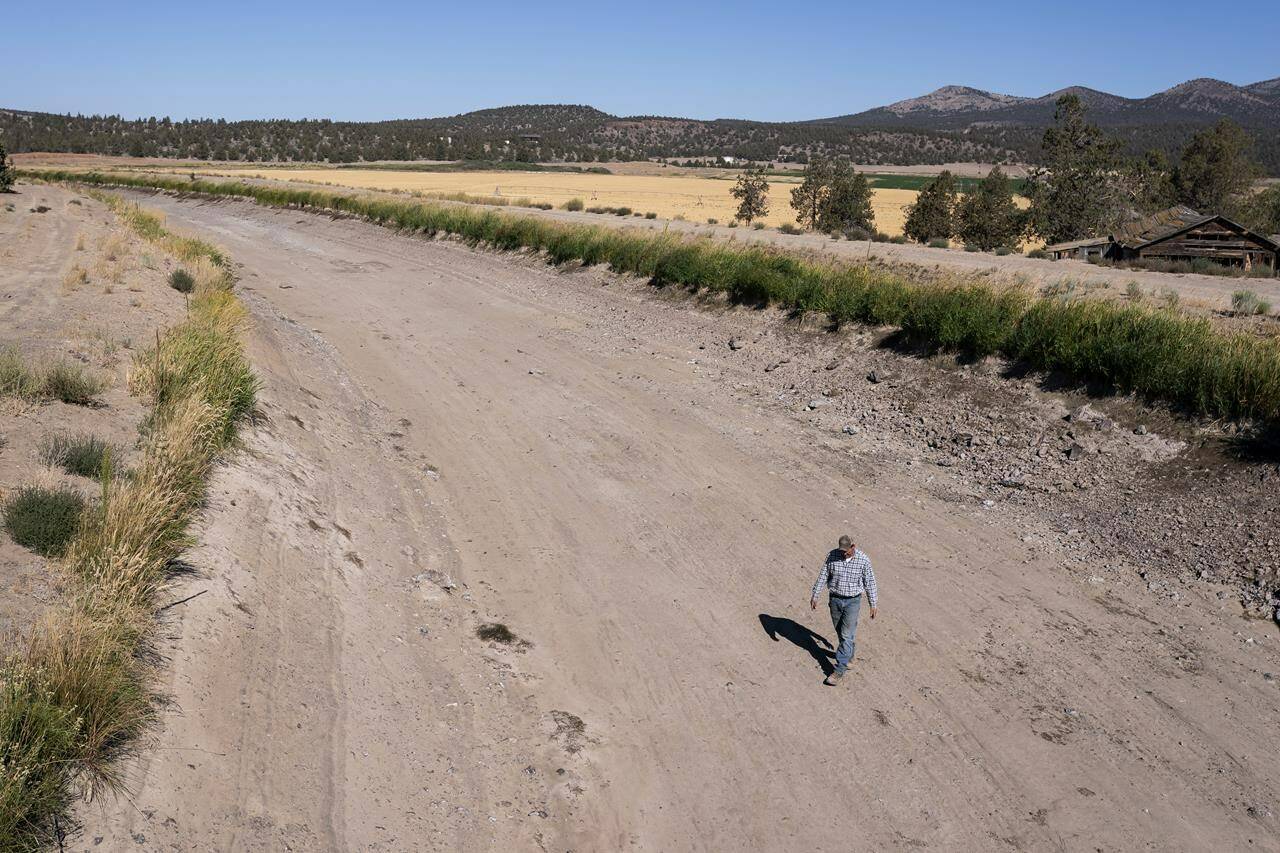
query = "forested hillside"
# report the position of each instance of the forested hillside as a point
(953, 124)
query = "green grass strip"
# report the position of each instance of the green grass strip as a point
(1156, 353)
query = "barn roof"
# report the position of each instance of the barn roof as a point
(1167, 223)
(1157, 225)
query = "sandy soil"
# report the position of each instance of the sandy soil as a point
(93, 320)
(451, 438)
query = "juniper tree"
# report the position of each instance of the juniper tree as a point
(809, 198)
(1261, 211)
(1148, 182)
(1075, 193)
(847, 203)
(987, 217)
(752, 192)
(932, 216)
(6, 171)
(1215, 170)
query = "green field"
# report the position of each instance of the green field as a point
(918, 182)
(885, 181)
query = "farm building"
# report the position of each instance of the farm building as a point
(1081, 250)
(1179, 234)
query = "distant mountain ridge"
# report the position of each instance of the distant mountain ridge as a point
(948, 125)
(1256, 105)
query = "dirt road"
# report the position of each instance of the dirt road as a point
(453, 438)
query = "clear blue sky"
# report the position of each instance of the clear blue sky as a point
(773, 61)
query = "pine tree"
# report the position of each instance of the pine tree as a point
(932, 216)
(1215, 170)
(987, 216)
(847, 204)
(752, 192)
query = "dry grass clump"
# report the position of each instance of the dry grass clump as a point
(207, 274)
(200, 359)
(75, 277)
(1247, 303)
(63, 381)
(150, 226)
(75, 694)
(17, 380)
(125, 547)
(71, 383)
(115, 246)
(39, 733)
(82, 455)
(113, 259)
(472, 198)
(83, 660)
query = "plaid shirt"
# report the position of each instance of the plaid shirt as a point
(847, 576)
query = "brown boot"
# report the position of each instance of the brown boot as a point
(833, 679)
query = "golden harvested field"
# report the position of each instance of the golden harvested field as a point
(696, 199)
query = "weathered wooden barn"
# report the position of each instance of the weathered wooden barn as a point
(1179, 234)
(1081, 250)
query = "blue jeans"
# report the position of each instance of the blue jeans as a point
(844, 616)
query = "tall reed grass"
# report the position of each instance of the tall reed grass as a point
(1157, 353)
(75, 691)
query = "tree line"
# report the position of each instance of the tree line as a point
(835, 198)
(568, 133)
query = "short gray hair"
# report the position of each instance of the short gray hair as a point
(846, 541)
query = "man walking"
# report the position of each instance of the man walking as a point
(846, 575)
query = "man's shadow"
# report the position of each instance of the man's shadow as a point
(789, 629)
